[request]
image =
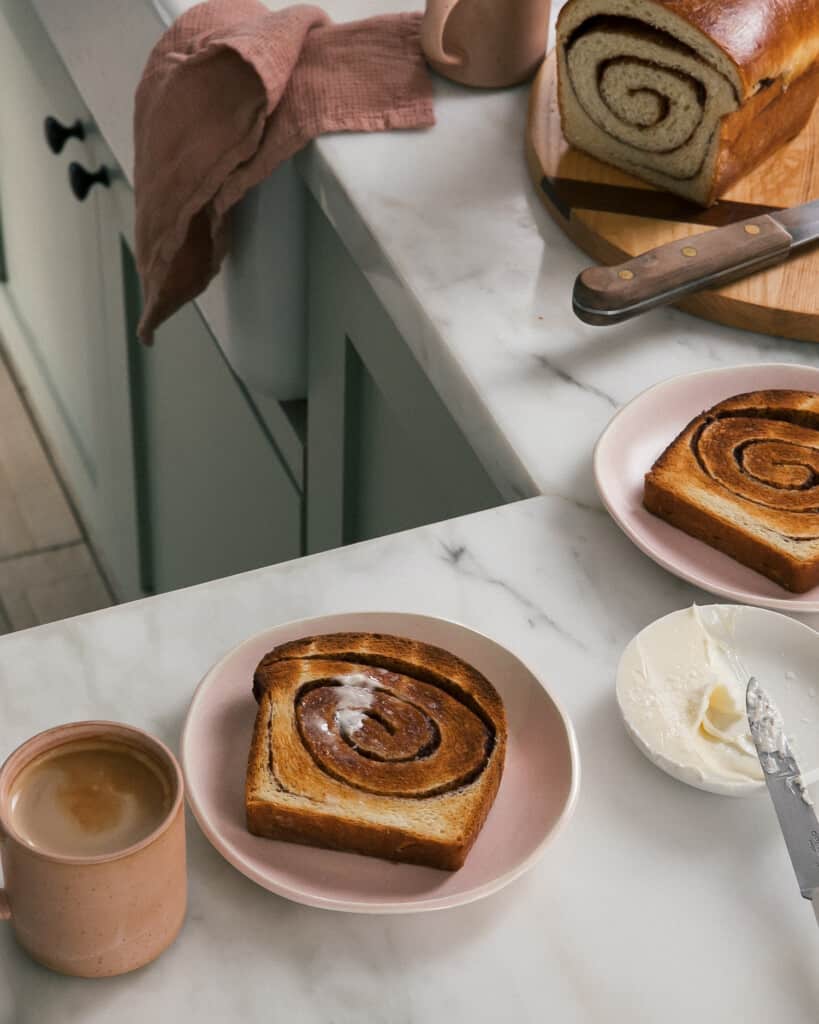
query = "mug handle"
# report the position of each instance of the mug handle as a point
(5, 908)
(432, 32)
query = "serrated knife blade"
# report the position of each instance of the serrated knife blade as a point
(783, 777)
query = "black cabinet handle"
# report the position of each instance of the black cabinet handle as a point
(82, 181)
(58, 134)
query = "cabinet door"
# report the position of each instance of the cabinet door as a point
(116, 530)
(214, 495)
(52, 317)
(384, 454)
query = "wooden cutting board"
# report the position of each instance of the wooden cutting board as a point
(613, 217)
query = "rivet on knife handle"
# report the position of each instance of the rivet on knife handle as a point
(608, 295)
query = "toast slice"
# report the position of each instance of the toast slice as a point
(376, 745)
(744, 478)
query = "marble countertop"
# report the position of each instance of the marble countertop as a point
(657, 902)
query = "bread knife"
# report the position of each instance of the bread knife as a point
(609, 295)
(791, 800)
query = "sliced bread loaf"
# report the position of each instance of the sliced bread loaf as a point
(688, 94)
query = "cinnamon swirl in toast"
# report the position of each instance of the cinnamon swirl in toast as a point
(374, 744)
(744, 478)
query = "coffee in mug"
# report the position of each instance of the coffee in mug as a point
(88, 799)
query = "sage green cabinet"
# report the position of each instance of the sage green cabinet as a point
(52, 317)
(176, 475)
(384, 454)
(179, 472)
(214, 496)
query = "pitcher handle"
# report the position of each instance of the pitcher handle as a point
(432, 32)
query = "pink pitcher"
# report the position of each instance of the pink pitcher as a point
(489, 43)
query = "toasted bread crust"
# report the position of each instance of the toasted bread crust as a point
(292, 794)
(701, 484)
(761, 126)
(724, 536)
(763, 39)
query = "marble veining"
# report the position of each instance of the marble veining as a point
(639, 911)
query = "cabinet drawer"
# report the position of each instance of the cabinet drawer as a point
(214, 496)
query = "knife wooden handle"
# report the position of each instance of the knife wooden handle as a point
(605, 295)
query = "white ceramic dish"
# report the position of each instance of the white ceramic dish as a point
(783, 654)
(536, 796)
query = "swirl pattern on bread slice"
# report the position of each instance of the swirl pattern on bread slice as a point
(744, 477)
(683, 93)
(374, 744)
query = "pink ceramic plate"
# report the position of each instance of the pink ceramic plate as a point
(641, 431)
(537, 793)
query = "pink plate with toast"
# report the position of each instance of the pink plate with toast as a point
(642, 430)
(537, 792)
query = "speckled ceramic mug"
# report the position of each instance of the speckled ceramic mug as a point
(488, 43)
(103, 915)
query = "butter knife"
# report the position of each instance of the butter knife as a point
(791, 800)
(609, 295)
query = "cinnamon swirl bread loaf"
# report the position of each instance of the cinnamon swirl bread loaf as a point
(687, 94)
(744, 478)
(376, 745)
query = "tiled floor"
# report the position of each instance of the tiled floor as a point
(46, 568)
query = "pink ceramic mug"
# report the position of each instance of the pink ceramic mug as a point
(490, 43)
(102, 915)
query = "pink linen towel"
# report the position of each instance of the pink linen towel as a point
(232, 90)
